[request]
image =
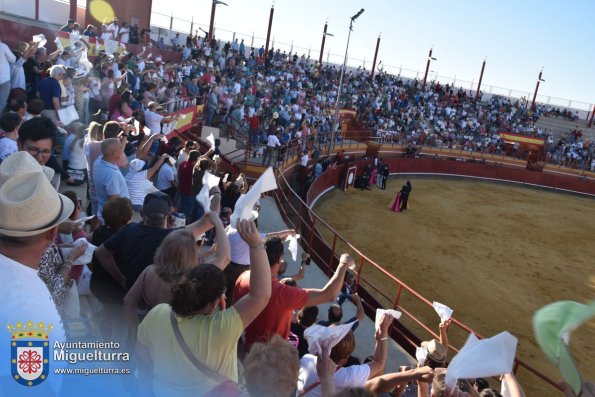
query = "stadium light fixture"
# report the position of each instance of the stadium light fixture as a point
(331, 144)
(212, 24)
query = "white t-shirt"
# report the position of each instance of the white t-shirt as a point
(153, 121)
(24, 297)
(7, 147)
(6, 58)
(124, 35)
(136, 183)
(183, 156)
(17, 74)
(354, 376)
(165, 176)
(239, 250)
(304, 160)
(273, 141)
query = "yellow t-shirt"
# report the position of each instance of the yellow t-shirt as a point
(212, 339)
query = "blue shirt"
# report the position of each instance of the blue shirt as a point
(66, 147)
(49, 88)
(108, 181)
(317, 170)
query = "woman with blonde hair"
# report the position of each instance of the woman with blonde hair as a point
(176, 255)
(92, 150)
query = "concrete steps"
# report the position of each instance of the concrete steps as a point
(560, 126)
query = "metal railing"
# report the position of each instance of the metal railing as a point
(377, 286)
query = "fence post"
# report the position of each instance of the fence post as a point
(171, 22)
(397, 297)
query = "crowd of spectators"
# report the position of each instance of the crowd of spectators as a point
(195, 295)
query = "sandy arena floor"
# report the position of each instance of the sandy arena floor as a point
(494, 253)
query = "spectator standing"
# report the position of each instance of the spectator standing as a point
(91, 31)
(30, 211)
(201, 326)
(124, 33)
(68, 27)
(166, 178)
(276, 317)
(50, 92)
(108, 180)
(9, 123)
(185, 198)
(114, 29)
(138, 179)
(6, 58)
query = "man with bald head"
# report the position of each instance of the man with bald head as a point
(107, 178)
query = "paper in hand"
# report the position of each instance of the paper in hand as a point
(211, 140)
(318, 336)
(86, 257)
(41, 39)
(203, 197)
(421, 354)
(394, 313)
(293, 245)
(85, 219)
(136, 127)
(443, 311)
(210, 180)
(246, 202)
(59, 44)
(482, 358)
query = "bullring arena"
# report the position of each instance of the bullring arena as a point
(494, 253)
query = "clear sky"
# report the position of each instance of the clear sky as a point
(517, 37)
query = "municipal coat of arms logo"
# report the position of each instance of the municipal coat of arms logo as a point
(29, 352)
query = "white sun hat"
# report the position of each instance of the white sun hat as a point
(29, 205)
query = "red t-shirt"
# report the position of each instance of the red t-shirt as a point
(276, 316)
(185, 178)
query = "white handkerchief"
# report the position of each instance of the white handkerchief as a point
(245, 204)
(394, 313)
(41, 38)
(211, 140)
(83, 220)
(482, 358)
(59, 44)
(443, 311)
(136, 127)
(147, 131)
(293, 245)
(203, 197)
(504, 390)
(147, 186)
(421, 353)
(210, 180)
(86, 257)
(318, 336)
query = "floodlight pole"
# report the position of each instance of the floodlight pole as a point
(322, 46)
(539, 80)
(266, 47)
(375, 56)
(336, 115)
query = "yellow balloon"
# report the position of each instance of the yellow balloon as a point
(101, 11)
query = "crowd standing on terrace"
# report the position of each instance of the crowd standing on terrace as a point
(195, 296)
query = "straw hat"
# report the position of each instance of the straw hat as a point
(436, 351)
(29, 205)
(22, 162)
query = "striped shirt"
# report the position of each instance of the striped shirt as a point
(137, 186)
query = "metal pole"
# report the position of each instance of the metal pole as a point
(483, 65)
(427, 70)
(211, 25)
(536, 89)
(592, 116)
(336, 116)
(171, 21)
(252, 42)
(375, 56)
(37, 10)
(191, 25)
(266, 47)
(322, 46)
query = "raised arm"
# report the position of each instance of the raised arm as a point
(250, 305)
(144, 148)
(444, 334)
(201, 226)
(151, 171)
(360, 314)
(513, 385)
(380, 350)
(388, 382)
(223, 253)
(333, 286)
